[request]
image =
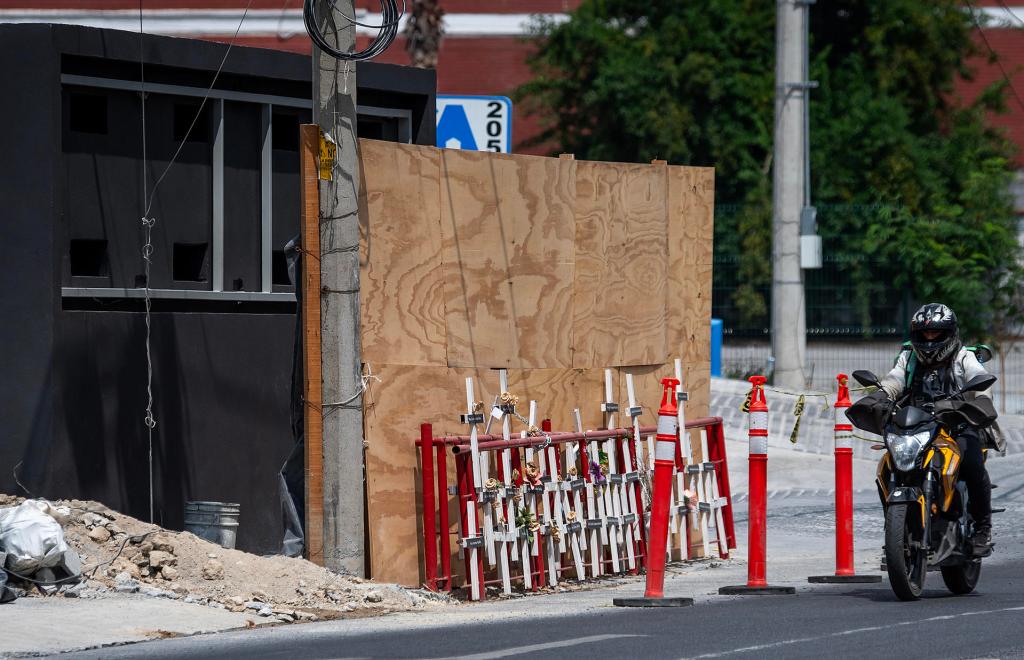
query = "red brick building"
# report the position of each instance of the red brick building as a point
(484, 50)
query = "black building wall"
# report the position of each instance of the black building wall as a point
(73, 365)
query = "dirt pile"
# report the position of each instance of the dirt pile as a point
(131, 556)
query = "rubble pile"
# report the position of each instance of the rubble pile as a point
(130, 556)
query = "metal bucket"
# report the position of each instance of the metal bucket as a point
(216, 522)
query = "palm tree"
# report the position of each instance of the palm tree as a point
(423, 33)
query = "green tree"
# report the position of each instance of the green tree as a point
(911, 179)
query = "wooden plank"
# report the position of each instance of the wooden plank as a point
(402, 304)
(312, 386)
(508, 229)
(406, 397)
(621, 264)
(690, 235)
(691, 208)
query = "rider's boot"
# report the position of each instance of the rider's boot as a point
(981, 540)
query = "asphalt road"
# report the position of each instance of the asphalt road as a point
(818, 622)
(834, 621)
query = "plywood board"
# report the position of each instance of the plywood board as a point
(508, 229)
(402, 301)
(691, 209)
(406, 397)
(690, 236)
(473, 261)
(621, 264)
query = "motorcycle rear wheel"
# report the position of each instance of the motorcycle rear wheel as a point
(905, 563)
(963, 578)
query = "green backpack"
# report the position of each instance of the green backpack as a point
(982, 351)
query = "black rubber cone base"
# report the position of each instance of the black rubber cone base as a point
(744, 590)
(844, 579)
(652, 602)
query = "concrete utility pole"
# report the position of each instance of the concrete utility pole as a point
(334, 109)
(789, 340)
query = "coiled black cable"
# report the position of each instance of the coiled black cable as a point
(387, 30)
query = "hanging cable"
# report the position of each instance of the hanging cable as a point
(387, 29)
(147, 253)
(991, 51)
(148, 221)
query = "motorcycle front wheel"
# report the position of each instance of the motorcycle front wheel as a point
(963, 578)
(905, 556)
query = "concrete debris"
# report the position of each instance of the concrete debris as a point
(158, 593)
(125, 584)
(159, 558)
(213, 570)
(138, 558)
(100, 534)
(163, 543)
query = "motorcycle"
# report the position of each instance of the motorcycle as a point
(927, 524)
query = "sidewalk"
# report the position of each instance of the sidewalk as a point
(41, 626)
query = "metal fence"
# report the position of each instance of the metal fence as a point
(836, 306)
(825, 359)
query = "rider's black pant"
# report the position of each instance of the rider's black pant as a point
(975, 476)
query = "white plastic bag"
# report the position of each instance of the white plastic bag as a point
(31, 537)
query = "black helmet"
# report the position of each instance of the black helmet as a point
(934, 317)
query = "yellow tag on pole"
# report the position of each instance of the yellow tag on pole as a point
(328, 153)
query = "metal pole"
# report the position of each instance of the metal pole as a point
(334, 109)
(429, 533)
(788, 320)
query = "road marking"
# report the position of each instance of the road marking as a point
(853, 631)
(523, 650)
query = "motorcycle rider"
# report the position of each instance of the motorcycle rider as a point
(935, 365)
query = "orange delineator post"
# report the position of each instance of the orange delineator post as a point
(664, 461)
(757, 537)
(845, 573)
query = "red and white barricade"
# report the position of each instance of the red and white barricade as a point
(561, 505)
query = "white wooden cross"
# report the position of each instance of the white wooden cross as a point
(636, 507)
(472, 418)
(612, 502)
(572, 505)
(481, 473)
(594, 522)
(715, 502)
(552, 505)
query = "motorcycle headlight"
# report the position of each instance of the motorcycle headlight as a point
(904, 449)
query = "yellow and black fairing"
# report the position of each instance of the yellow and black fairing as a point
(945, 455)
(943, 458)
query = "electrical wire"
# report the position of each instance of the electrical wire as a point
(387, 30)
(992, 52)
(148, 197)
(151, 422)
(1010, 12)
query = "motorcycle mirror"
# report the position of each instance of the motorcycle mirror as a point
(979, 383)
(866, 378)
(983, 353)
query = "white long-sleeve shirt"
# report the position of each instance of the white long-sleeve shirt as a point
(965, 367)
